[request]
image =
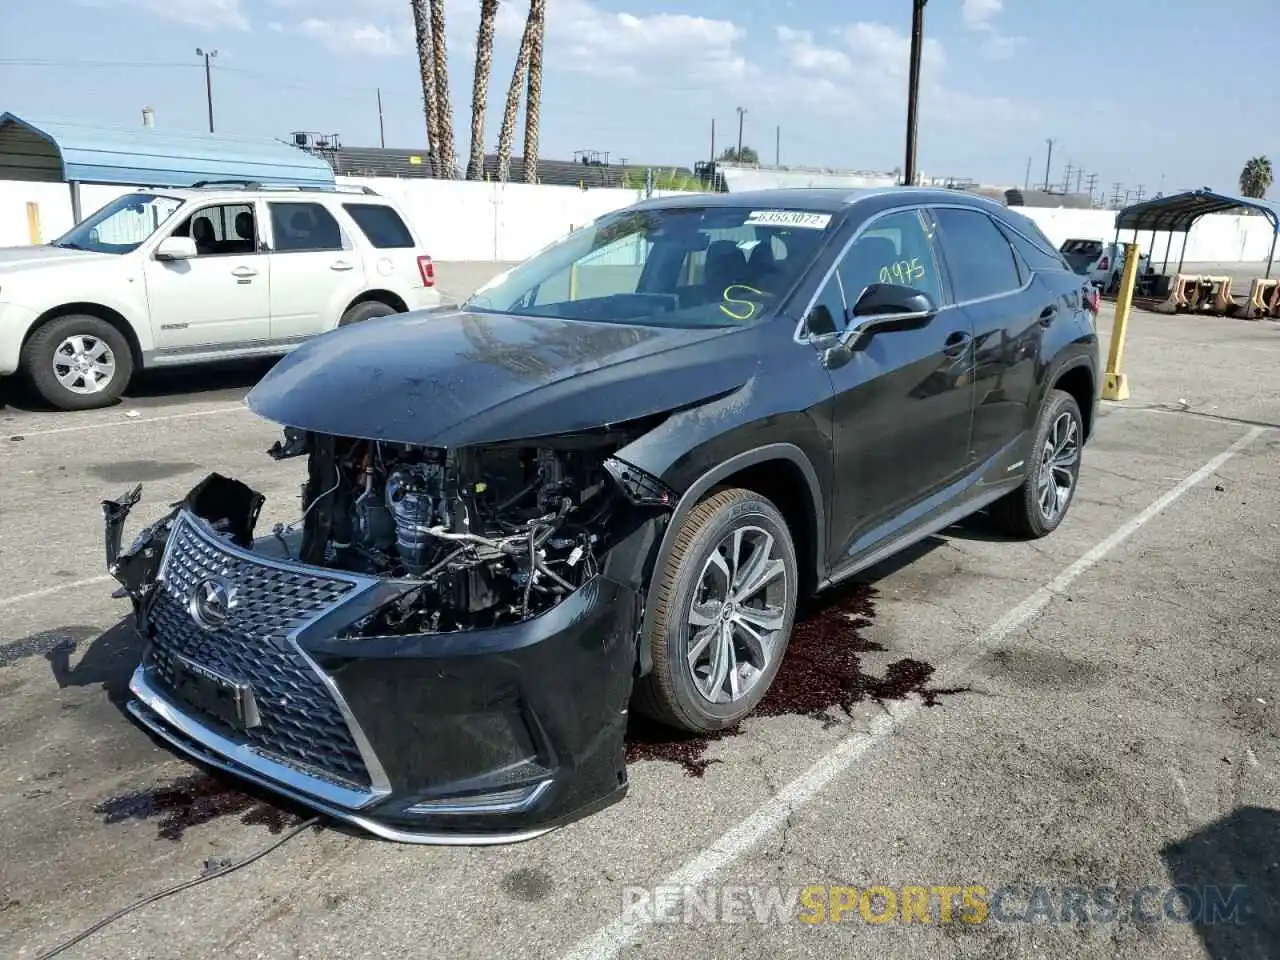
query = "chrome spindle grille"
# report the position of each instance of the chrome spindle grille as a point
(301, 723)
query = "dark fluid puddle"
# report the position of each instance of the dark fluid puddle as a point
(821, 671)
(194, 800)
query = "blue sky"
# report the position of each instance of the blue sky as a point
(643, 79)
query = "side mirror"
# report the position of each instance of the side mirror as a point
(882, 308)
(176, 248)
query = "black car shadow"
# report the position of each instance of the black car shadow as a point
(1230, 871)
(108, 660)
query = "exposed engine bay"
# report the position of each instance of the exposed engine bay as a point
(493, 535)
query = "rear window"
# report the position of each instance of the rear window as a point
(1089, 247)
(381, 224)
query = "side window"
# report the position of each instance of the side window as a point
(979, 258)
(894, 249)
(381, 224)
(298, 227)
(1035, 256)
(228, 228)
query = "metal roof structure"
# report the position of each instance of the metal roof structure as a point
(1178, 212)
(74, 152)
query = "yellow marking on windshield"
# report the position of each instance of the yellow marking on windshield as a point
(739, 313)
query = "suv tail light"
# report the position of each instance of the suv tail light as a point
(428, 271)
(1104, 262)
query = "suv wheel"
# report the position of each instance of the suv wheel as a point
(726, 603)
(366, 310)
(78, 362)
(1037, 507)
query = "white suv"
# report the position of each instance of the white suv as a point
(160, 277)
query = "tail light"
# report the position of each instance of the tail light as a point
(1104, 262)
(428, 271)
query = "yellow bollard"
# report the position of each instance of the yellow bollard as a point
(33, 223)
(1114, 384)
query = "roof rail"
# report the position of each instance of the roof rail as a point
(257, 185)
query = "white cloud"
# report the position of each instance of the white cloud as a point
(979, 12)
(979, 16)
(208, 14)
(352, 37)
(862, 72)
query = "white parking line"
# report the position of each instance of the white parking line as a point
(612, 939)
(50, 591)
(101, 425)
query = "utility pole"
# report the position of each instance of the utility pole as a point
(742, 112)
(1115, 197)
(1093, 182)
(913, 89)
(777, 146)
(1138, 193)
(1079, 177)
(1066, 177)
(1047, 162)
(713, 139)
(208, 80)
(382, 133)
(1026, 184)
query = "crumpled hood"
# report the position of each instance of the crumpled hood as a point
(452, 378)
(22, 259)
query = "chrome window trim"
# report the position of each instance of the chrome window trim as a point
(380, 784)
(799, 337)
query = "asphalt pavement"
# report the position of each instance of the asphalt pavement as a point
(1107, 720)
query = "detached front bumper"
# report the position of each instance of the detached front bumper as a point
(484, 736)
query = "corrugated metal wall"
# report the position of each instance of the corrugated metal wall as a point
(25, 155)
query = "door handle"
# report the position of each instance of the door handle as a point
(244, 272)
(340, 265)
(956, 344)
(1047, 314)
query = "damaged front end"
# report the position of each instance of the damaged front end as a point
(442, 653)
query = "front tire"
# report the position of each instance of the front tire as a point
(78, 362)
(366, 310)
(722, 621)
(1038, 507)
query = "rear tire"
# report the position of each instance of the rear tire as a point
(722, 621)
(1038, 507)
(366, 310)
(78, 362)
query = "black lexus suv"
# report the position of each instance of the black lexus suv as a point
(603, 482)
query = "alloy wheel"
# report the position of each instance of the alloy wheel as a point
(84, 364)
(737, 615)
(1059, 461)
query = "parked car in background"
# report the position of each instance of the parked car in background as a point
(160, 277)
(1101, 262)
(608, 478)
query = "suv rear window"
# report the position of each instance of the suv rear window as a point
(380, 224)
(1090, 248)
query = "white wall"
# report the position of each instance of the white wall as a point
(460, 220)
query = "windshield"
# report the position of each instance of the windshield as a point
(674, 267)
(122, 225)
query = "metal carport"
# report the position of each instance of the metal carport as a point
(65, 150)
(1179, 212)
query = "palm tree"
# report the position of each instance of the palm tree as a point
(427, 68)
(507, 133)
(1255, 178)
(444, 112)
(480, 87)
(533, 103)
